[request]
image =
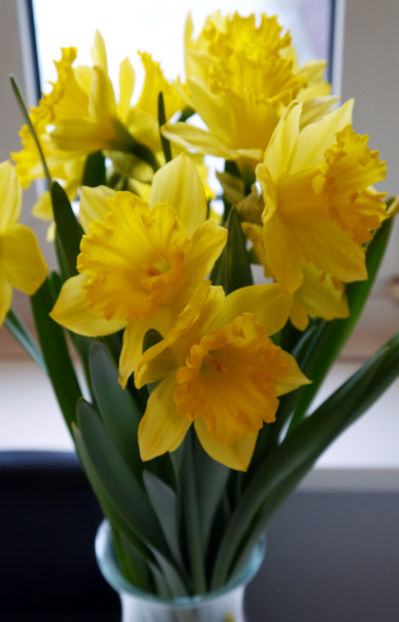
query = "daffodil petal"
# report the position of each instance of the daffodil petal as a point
(102, 106)
(43, 208)
(236, 456)
(284, 255)
(293, 377)
(98, 52)
(93, 204)
(189, 137)
(208, 243)
(22, 261)
(178, 183)
(80, 135)
(267, 301)
(332, 250)
(126, 87)
(213, 108)
(5, 298)
(318, 136)
(10, 195)
(161, 429)
(132, 348)
(298, 316)
(318, 296)
(283, 141)
(160, 359)
(70, 311)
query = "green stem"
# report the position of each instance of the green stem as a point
(25, 113)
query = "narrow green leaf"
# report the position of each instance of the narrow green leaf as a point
(121, 485)
(167, 151)
(117, 407)
(233, 269)
(20, 332)
(306, 444)
(186, 113)
(334, 334)
(133, 565)
(211, 484)
(55, 352)
(109, 509)
(164, 501)
(68, 230)
(191, 521)
(94, 170)
(161, 586)
(173, 580)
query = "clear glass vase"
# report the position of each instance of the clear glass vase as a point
(223, 605)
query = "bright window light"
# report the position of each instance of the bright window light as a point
(158, 27)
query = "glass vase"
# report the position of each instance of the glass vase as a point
(222, 605)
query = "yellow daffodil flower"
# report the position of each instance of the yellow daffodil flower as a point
(21, 262)
(320, 206)
(81, 115)
(218, 369)
(139, 265)
(319, 296)
(240, 77)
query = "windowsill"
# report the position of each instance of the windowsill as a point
(365, 457)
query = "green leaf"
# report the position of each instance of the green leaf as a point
(191, 516)
(185, 114)
(172, 581)
(164, 501)
(300, 449)
(94, 171)
(119, 411)
(333, 335)
(109, 510)
(125, 493)
(55, 352)
(211, 484)
(167, 151)
(134, 566)
(233, 269)
(68, 230)
(20, 332)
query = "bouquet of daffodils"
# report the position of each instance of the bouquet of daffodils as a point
(192, 416)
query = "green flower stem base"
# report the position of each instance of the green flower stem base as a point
(224, 605)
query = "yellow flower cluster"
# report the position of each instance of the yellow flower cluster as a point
(150, 241)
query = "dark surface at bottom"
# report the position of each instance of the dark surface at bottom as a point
(331, 557)
(48, 521)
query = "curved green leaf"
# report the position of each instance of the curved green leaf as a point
(94, 171)
(55, 351)
(233, 269)
(119, 411)
(124, 492)
(68, 230)
(164, 501)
